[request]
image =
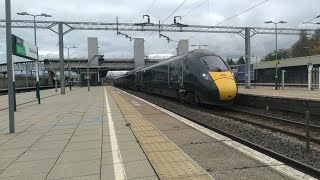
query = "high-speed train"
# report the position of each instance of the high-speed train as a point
(199, 76)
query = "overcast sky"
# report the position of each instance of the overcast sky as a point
(211, 12)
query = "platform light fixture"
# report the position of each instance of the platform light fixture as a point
(175, 19)
(148, 18)
(35, 43)
(69, 65)
(276, 60)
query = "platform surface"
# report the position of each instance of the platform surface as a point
(27, 97)
(288, 93)
(88, 135)
(108, 134)
(68, 137)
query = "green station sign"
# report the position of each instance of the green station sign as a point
(23, 48)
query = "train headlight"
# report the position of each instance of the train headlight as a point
(205, 76)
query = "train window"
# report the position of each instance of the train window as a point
(214, 63)
(161, 76)
(147, 76)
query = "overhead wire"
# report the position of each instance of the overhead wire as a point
(142, 19)
(168, 18)
(174, 11)
(234, 16)
(194, 8)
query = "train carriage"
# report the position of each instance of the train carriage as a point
(199, 76)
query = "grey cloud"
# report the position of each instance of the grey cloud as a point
(113, 46)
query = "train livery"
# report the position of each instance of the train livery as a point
(199, 76)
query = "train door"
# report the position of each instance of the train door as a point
(180, 72)
(136, 79)
(175, 74)
(170, 75)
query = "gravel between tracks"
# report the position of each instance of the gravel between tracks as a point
(283, 144)
(281, 114)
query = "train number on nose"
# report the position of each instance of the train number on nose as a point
(223, 75)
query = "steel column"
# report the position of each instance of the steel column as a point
(319, 78)
(56, 83)
(61, 57)
(283, 71)
(309, 77)
(27, 79)
(14, 89)
(10, 67)
(98, 76)
(247, 58)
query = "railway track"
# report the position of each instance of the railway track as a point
(303, 167)
(286, 160)
(285, 126)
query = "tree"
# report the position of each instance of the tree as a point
(298, 49)
(282, 54)
(315, 40)
(230, 61)
(241, 61)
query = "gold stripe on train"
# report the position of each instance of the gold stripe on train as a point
(226, 85)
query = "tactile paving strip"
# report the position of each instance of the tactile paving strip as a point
(167, 159)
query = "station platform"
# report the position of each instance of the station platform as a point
(287, 93)
(109, 134)
(295, 100)
(27, 97)
(84, 135)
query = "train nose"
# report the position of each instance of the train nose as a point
(226, 85)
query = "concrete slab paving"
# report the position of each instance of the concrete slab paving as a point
(28, 168)
(48, 145)
(7, 153)
(5, 162)
(79, 155)
(67, 137)
(83, 145)
(36, 176)
(40, 155)
(89, 177)
(75, 169)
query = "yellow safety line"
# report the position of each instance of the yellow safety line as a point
(168, 161)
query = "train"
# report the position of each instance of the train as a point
(197, 77)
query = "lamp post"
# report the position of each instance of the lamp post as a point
(35, 43)
(276, 61)
(199, 45)
(9, 67)
(69, 65)
(309, 66)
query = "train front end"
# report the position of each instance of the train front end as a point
(225, 84)
(223, 88)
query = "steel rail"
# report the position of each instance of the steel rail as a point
(278, 119)
(261, 125)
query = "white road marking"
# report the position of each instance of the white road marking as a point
(272, 163)
(119, 171)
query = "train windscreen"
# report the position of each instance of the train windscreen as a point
(214, 63)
